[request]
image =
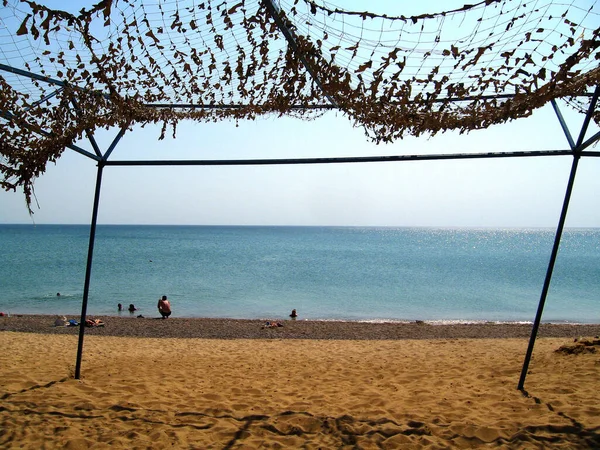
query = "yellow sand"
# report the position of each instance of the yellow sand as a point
(193, 393)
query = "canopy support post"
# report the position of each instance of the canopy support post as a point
(544, 294)
(577, 149)
(88, 270)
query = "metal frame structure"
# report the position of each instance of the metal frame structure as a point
(576, 150)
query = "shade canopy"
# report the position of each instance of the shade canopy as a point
(119, 63)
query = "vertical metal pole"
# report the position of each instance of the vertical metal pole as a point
(88, 270)
(559, 230)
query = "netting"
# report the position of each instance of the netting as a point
(129, 61)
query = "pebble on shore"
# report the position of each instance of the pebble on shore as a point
(254, 329)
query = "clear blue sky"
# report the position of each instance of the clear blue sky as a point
(518, 192)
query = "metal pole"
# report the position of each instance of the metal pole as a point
(559, 230)
(88, 271)
(588, 116)
(337, 160)
(36, 129)
(563, 124)
(289, 35)
(590, 141)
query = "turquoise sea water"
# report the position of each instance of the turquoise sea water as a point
(326, 273)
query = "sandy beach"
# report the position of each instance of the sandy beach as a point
(165, 384)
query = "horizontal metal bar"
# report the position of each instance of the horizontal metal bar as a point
(35, 76)
(327, 106)
(51, 80)
(239, 106)
(233, 106)
(340, 160)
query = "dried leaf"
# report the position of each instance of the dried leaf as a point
(234, 8)
(364, 67)
(542, 73)
(23, 28)
(151, 35)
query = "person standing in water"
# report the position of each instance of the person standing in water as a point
(164, 307)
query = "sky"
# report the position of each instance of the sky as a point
(508, 192)
(515, 192)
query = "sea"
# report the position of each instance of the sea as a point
(437, 275)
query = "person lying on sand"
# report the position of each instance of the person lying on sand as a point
(94, 323)
(269, 324)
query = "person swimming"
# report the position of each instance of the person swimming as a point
(294, 314)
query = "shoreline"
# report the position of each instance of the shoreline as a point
(211, 328)
(285, 318)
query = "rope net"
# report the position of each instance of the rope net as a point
(121, 62)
